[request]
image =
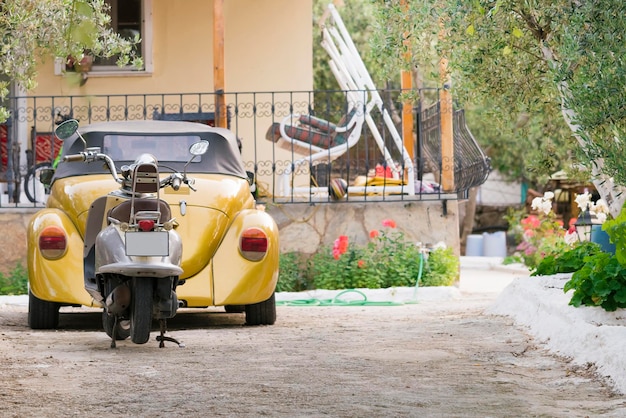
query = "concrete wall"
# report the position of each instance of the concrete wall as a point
(13, 224)
(303, 227)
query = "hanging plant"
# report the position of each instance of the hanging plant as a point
(80, 66)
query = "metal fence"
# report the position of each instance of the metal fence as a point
(297, 144)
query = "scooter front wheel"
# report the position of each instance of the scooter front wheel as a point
(122, 331)
(141, 309)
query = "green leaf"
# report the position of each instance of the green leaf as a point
(620, 295)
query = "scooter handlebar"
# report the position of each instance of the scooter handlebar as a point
(176, 183)
(74, 157)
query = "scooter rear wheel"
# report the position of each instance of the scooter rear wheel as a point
(141, 309)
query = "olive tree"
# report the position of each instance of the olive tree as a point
(527, 57)
(35, 30)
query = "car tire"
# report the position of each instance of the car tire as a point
(122, 330)
(141, 309)
(41, 313)
(235, 308)
(262, 313)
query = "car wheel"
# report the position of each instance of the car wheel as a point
(262, 313)
(141, 310)
(42, 314)
(234, 308)
(122, 330)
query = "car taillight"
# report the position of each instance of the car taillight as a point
(253, 244)
(52, 242)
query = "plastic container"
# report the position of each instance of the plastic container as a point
(494, 244)
(600, 237)
(474, 246)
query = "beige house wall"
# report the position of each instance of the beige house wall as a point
(268, 47)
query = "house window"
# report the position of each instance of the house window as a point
(128, 18)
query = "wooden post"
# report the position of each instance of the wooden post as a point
(218, 64)
(406, 84)
(447, 112)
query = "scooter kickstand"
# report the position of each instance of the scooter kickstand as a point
(114, 332)
(162, 338)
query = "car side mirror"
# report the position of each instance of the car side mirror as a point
(45, 176)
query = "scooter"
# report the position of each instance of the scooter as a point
(132, 253)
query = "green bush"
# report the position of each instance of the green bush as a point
(568, 261)
(15, 282)
(442, 268)
(292, 273)
(387, 260)
(600, 282)
(599, 278)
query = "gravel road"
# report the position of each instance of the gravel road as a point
(431, 359)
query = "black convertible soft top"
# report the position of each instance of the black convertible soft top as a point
(168, 141)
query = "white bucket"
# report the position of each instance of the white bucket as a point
(494, 245)
(474, 246)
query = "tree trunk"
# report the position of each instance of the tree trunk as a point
(470, 213)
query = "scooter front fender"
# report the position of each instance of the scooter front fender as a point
(111, 257)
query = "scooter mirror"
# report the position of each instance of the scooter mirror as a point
(66, 129)
(199, 148)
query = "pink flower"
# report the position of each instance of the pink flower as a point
(529, 233)
(390, 223)
(374, 233)
(340, 246)
(530, 250)
(531, 221)
(522, 246)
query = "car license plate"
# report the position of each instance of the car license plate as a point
(147, 243)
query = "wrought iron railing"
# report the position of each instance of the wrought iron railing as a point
(296, 163)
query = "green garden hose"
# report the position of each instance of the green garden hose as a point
(338, 301)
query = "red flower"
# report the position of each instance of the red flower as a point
(531, 221)
(360, 264)
(390, 223)
(374, 233)
(340, 246)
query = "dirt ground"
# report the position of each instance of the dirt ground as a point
(432, 359)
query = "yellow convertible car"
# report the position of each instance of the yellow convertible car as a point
(229, 252)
